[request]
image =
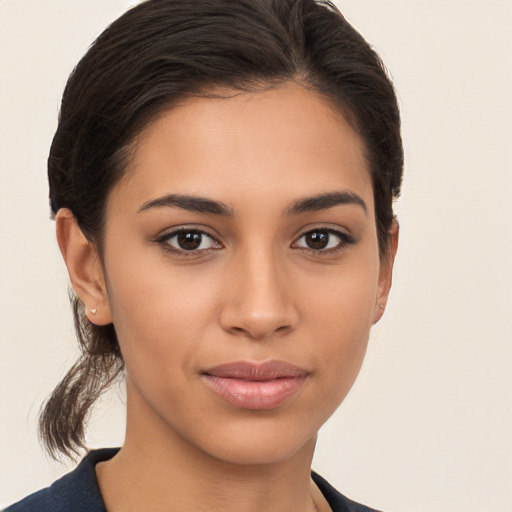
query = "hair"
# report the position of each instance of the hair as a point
(155, 55)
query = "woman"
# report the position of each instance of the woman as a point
(222, 180)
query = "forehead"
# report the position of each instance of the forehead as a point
(278, 144)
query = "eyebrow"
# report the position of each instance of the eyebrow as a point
(188, 202)
(209, 206)
(326, 201)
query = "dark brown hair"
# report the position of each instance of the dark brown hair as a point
(153, 56)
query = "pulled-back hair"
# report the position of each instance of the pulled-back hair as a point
(155, 55)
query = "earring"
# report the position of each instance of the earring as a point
(93, 311)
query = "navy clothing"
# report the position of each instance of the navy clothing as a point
(78, 491)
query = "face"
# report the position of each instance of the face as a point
(242, 272)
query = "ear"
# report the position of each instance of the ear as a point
(84, 268)
(386, 273)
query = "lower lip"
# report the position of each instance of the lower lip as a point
(252, 394)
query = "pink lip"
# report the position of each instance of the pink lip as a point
(255, 385)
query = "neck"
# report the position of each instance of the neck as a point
(158, 470)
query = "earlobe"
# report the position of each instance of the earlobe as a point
(386, 272)
(84, 268)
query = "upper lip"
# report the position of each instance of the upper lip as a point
(247, 370)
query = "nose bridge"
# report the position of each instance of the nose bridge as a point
(260, 300)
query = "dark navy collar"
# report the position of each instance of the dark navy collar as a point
(77, 491)
(336, 500)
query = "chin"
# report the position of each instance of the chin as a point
(254, 454)
(263, 442)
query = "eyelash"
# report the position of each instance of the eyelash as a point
(344, 240)
(164, 242)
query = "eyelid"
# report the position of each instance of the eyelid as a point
(336, 229)
(344, 237)
(162, 239)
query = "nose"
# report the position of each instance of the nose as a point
(258, 299)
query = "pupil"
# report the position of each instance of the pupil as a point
(317, 239)
(189, 241)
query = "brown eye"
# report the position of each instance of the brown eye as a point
(189, 240)
(324, 240)
(317, 239)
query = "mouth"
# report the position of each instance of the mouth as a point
(249, 385)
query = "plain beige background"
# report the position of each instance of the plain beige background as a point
(428, 425)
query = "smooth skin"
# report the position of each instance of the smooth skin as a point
(247, 270)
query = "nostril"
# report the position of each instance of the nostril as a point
(259, 332)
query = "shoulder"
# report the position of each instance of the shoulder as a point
(336, 500)
(77, 491)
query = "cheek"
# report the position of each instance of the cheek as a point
(160, 313)
(340, 318)
(343, 299)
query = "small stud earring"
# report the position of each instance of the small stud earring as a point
(93, 311)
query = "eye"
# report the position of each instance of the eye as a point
(323, 240)
(188, 240)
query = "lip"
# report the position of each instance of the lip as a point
(249, 385)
